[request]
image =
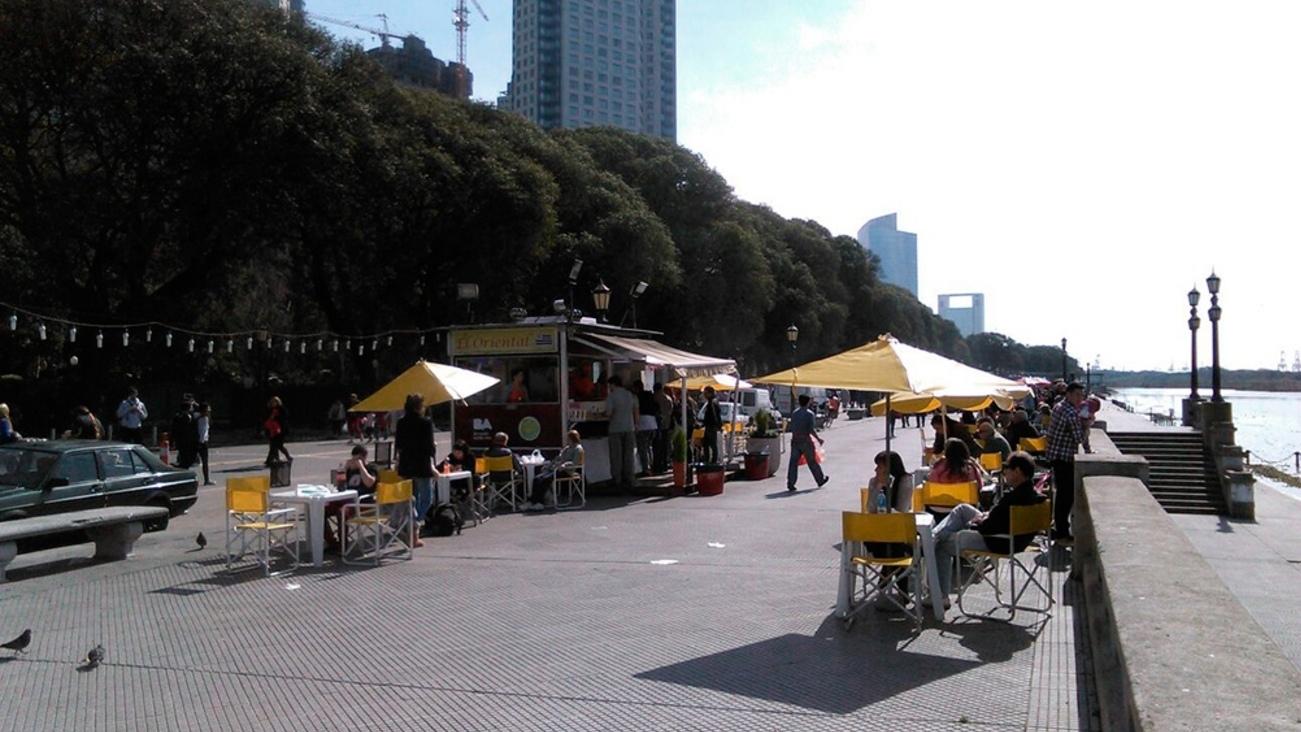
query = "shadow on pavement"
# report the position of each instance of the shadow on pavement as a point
(825, 672)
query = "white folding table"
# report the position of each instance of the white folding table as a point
(312, 500)
(926, 538)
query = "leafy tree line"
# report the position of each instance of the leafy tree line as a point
(216, 164)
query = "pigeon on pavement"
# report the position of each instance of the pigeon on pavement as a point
(19, 644)
(201, 540)
(94, 657)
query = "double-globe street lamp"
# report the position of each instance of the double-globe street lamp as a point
(1194, 323)
(1213, 287)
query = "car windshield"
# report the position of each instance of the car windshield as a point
(25, 467)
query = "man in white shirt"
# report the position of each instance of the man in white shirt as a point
(621, 406)
(131, 416)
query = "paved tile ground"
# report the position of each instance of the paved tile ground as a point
(530, 622)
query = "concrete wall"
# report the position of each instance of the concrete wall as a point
(1173, 649)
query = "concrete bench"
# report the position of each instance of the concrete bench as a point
(114, 530)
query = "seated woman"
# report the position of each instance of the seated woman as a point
(957, 465)
(499, 448)
(894, 480)
(460, 458)
(948, 429)
(561, 465)
(966, 527)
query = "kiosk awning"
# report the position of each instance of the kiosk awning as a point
(658, 355)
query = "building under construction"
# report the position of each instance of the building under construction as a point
(414, 65)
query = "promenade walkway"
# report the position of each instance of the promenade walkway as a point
(1260, 561)
(531, 622)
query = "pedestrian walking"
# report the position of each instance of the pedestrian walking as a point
(1065, 435)
(185, 434)
(276, 426)
(131, 416)
(711, 418)
(647, 425)
(803, 433)
(354, 419)
(337, 415)
(203, 426)
(621, 407)
(664, 418)
(414, 442)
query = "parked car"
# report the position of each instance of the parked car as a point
(38, 478)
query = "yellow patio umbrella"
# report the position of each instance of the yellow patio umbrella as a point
(923, 403)
(436, 382)
(720, 382)
(888, 365)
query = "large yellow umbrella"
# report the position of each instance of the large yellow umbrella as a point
(720, 382)
(893, 367)
(436, 382)
(923, 403)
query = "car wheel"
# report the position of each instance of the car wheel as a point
(159, 524)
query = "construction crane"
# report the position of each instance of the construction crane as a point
(383, 35)
(462, 24)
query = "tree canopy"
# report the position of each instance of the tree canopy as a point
(222, 166)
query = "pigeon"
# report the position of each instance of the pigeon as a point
(19, 644)
(201, 540)
(94, 657)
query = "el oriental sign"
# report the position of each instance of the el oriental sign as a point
(490, 341)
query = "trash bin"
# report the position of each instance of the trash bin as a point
(756, 465)
(280, 474)
(709, 479)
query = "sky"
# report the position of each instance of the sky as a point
(1083, 165)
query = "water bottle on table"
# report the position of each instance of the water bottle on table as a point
(881, 506)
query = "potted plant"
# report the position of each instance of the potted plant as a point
(678, 449)
(765, 438)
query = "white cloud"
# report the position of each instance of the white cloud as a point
(1082, 165)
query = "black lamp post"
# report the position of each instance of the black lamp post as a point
(1063, 359)
(1194, 323)
(601, 298)
(573, 281)
(637, 291)
(792, 336)
(468, 292)
(1213, 287)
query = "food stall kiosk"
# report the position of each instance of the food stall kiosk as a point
(552, 373)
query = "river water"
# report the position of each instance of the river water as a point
(1268, 423)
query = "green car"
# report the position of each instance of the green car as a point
(39, 478)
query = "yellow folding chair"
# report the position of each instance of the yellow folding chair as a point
(872, 577)
(1036, 522)
(1033, 445)
(502, 481)
(946, 495)
(386, 527)
(388, 475)
(574, 480)
(992, 462)
(249, 515)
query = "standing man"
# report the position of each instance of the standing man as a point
(664, 413)
(1064, 439)
(621, 406)
(414, 442)
(131, 416)
(803, 433)
(711, 419)
(185, 434)
(647, 424)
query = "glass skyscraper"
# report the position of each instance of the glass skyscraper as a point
(965, 310)
(578, 63)
(896, 249)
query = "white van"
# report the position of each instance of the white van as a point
(752, 400)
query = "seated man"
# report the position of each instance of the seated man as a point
(966, 527)
(499, 442)
(569, 457)
(994, 442)
(1020, 427)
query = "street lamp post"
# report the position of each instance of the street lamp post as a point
(601, 298)
(792, 337)
(1194, 323)
(1213, 287)
(1063, 359)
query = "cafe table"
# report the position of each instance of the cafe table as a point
(311, 500)
(530, 463)
(443, 485)
(931, 575)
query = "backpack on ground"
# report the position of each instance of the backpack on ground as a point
(444, 520)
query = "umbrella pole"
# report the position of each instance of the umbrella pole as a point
(685, 428)
(887, 421)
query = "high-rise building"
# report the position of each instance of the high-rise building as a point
(413, 64)
(579, 63)
(896, 249)
(965, 310)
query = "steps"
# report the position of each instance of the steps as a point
(1182, 475)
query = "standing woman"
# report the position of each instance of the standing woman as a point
(277, 428)
(204, 426)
